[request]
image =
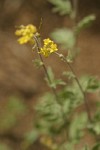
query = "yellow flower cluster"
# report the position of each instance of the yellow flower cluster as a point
(26, 34)
(48, 47)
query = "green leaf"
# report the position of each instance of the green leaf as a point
(49, 112)
(77, 126)
(68, 101)
(67, 146)
(69, 74)
(50, 73)
(63, 7)
(85, 148)
(65, 37)
(50, 79)
(90, 83)
(31, 136)
(70, 98)
(96, 146)
(97, 113)
(67, 107)
(59, 82)
(38, 63)
(52, 82)
(93, 84)
(97, 128)
(84, 23)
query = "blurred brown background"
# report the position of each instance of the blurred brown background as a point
(18, 76)
(17, 73)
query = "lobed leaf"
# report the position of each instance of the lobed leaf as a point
(77, 126)
(65, 37)
(84, 23)
(63, 7)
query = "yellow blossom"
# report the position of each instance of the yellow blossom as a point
(26, 34)
(48, 47)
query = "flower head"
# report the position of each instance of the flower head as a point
(26, 34)
(48, 47)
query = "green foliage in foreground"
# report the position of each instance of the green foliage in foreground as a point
(54, 118)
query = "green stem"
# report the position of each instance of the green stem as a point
(75, 11)
(38, 43)
(78, 83)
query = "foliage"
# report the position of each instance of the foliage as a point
(77, 126)
(55, 115)
(84, 23)
(63, 7)
(95, 126)
(54, 82)
(63, 116)
(65, 37)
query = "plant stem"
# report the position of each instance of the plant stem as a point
(83, 93)
(75, 11)
(46, 73)
(44, 67)
(78, 83)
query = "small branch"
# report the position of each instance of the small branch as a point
(78, 83)
(46, 73)
(44, 67)
(83, 93)
(75, 11)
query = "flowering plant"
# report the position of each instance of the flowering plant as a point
(58, 124)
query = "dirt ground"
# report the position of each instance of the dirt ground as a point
(18, 76)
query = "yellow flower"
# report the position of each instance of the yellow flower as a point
(26, 34)
(48, 47)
